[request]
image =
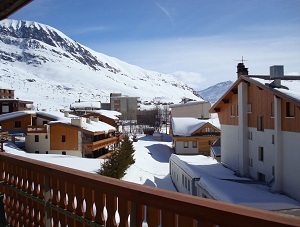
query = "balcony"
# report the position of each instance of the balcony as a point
(92, 146)
(36, 129)
(38, 193)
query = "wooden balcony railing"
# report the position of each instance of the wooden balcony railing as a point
(99, 144)
(42, 194)
(37, 129)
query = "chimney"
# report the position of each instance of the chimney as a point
(276, 74)
(241, 70)
(76, 122)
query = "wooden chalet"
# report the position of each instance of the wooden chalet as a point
(60, 134)
(193, 136)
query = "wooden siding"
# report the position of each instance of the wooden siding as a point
(225, 117)
(10, 124)
(291, 124)
(204, 142)
(207, 128)
(260, 100)
(70, 133)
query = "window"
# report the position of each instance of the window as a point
(272, 109)
(182, 179)
(261, 154)
(63, 138)
(260, 123)
(250, 162)
(45, 122)
(290, 109)
(273, 139)
(186, 144)
(207, 129)
(47, 152)
(249, 107)
(232, 111)
(189, 187)
(36, 138)
(273, 170)
(46, 136)
(37, 152)
(63, 153)
(250, 135)
(195, 144)
(17, 124)
(261, 177)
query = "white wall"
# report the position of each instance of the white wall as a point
(180, 149)
(261, 139)
(230, 146)
(42, 146)
(199, 110)
(182, 181)
(291, 163)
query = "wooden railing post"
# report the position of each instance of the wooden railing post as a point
(133, 211)
(47, 200)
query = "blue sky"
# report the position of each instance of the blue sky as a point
(196, 40)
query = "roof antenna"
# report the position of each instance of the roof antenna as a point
(241, 69)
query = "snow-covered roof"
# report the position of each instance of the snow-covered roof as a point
(198, 166)
(87, 124)
(186, 126)
(188, 103)
(12, 115)
(108, 113)
(292, 85)
(251, 195)
(84, 105)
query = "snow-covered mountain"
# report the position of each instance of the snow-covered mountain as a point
(213, 93)
(45, 66)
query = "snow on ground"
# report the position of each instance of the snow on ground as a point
(151, 168)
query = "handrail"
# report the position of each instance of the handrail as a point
(57, 186)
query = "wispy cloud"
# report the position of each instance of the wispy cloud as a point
(85, 30)
(166, 12)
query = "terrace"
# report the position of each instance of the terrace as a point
(39, 193)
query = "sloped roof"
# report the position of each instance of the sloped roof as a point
(186, 126)
(291, 94)
(8, 7)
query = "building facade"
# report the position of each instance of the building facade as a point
(260, 123)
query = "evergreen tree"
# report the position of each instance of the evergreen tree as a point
(121, 159)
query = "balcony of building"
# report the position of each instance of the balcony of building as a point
(92, 146)
(42, 194)
(36, 129)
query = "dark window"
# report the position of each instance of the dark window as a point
(63, 138)
(273, 139)
(290, 109)
(46, 152)
(45, 122)
(185, 144)
(36, 138)
(63, 153)
(37, 152)
(272, 109)
(260, 123)
(261, 177)
(17, 124)
(194, 144)
(261, 154)
(46, 136)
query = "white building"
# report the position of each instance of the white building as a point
(260, 124)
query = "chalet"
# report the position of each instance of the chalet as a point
(260, 121)
(193, 136)
(8, 102)
(194, 109)
(59, 133)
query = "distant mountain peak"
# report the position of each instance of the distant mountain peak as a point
(215, 92)
(31, 51)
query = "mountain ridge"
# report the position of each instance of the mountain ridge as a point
(44, 65)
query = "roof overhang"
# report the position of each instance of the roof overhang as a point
(8, 7)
